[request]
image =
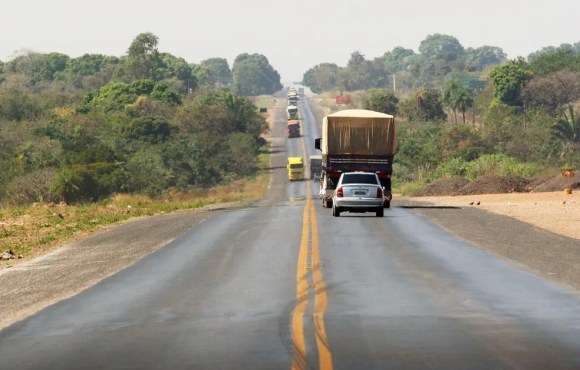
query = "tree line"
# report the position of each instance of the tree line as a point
(81, 129)
(527, 109)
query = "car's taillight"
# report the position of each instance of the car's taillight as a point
(379, 193)
(339, 192)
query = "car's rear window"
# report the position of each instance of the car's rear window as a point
(359, 178)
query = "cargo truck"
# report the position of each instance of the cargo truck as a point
(356, 140)
(292, 112)
(293, 128)
(295, 168)
(315, 167)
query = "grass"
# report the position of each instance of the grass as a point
(34, 230)
(263, 101)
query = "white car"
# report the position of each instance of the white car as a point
(358, 192)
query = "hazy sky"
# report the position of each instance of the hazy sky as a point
(294, 35)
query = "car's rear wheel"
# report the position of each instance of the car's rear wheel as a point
(380, 212)
(335, 212)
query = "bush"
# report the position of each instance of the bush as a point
(498, 164)
(33, 187)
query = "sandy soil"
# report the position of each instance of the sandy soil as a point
(557, 212)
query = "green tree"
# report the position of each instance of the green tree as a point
(218, 71)
(567, 129)
(429, 105)
(457, 98)
(444, 47)
(253, 75)
(382, 101)
(480, 58)
(143, 61)
(397, 59)
(509, 80)
(320, 78)
(39, 67)
(562, 59)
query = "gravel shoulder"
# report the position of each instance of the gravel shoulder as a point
(536, 231)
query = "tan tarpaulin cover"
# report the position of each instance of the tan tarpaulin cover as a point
(358, 132)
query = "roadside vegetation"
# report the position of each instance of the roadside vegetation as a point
(466, 112)
(97, 139)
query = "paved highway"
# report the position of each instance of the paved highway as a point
(284, 285)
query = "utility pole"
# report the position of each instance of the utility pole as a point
(394, 83)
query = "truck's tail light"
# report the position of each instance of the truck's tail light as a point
(379, 193)
(339, 192)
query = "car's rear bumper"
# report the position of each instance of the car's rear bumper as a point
(358, 204)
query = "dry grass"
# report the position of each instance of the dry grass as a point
(263, 101)
(37, 229)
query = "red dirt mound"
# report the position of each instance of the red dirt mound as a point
(491, 184)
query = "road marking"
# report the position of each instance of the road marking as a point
(299, 352)
(309, 246)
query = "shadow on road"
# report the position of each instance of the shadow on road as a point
(429, 207)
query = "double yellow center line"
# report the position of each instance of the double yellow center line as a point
(309, 280)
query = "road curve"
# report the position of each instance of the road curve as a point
(284, 285)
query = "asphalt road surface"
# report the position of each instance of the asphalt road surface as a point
(285, 285)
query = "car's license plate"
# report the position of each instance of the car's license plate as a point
(360, 192)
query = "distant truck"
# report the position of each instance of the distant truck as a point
(315, 167)
(292, 112)
(293, 128)
(356, 140)
(343, 99)
(295, 168)
(300, 91)
(292, 96)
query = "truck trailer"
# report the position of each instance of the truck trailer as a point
(356, 140)
(293, 128)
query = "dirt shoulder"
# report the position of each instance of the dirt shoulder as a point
(556, 212)
(537, 231)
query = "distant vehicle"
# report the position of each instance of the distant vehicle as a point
(301, 91)
(343, 99)
(358, 192)
(356, 140)
(295, 168)
(293, 128)
(292, 112)
(315, 167)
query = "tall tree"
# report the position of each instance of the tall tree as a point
(508, 81)
(382, 101)
(397, 59)
(321, 77)
(440, 46)
(253, 75)
(457, 97)
(218, 71)
(143, 60)
(480, 58)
